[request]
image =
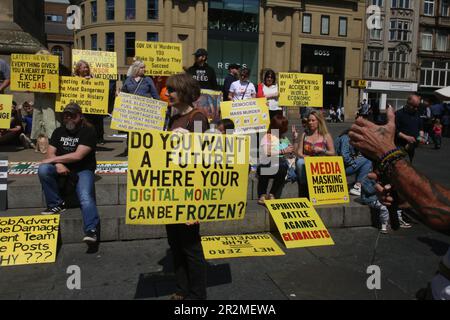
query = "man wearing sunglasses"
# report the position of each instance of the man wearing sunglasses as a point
(71, 153)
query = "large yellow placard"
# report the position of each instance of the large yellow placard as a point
(327, 182)
(298, 223)
(137, 113)
(300, 90)
(35, 73)
(237, 246)
(90, 94)
(249, 116)
(176, 178)
(28, 240)
(160, 58)
(103, 64)
(5, 110)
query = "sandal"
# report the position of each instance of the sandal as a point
(271, 196)
(262, 200)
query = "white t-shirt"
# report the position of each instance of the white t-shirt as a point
(239, 87)
(273, 102)
(440, 285)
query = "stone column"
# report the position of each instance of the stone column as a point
(199, 24)
(168, 21)
(267, 37)
(295, 32)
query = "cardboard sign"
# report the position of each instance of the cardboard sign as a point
(160, 58)
(300, 90)
(249, 116)
(135, 113)
(90, 94)
(327, 182)
(5, 110)
(176, 178)
(28, 240)
(298, 223)
(35, 73)
(103, 167)
(237, 246)
(209, 102)
(103, 64)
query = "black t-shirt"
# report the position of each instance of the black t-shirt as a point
(66, 142)
(205, 75)
(408, 122)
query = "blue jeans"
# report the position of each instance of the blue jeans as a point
(85, 192)
(301, 171)
(362, 167)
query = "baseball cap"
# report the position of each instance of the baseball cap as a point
(200, 52)
(233, 66)
(72, 108)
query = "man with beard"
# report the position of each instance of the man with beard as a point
(71, 153)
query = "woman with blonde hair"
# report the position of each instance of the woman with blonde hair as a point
(315, 141)
(137, 83)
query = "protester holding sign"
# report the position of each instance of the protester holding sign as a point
(184, 239)
(83, 70)
(11, 136)
(242, 89)
(269, 89)
(276, 150)
(315, 141)
(202, 72)
(71, 154)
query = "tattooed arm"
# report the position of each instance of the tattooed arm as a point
(430, 200)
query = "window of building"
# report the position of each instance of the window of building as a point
(441, 41)
(152, 36)
(58, 51)
(110, 9)
(397, 64)
(130, 9)
(342, 26)
(152, 9)
(427, 41)
(82, 15)
(445, 8)
(325, 25)
(234, 15)
(399, 30)
(93, 41)
(93, 11)
(83, 42)
(130, 39)
(306, 26)
(401, 4)
(375, 34)
(435, 74)
(428, 7)
(374, 62)
(53, 18)
(377, 3)
(110, 41)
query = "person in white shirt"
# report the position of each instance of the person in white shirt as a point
(242, 89)
(269, 89)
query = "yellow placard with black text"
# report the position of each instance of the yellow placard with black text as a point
(134, 113)
(249, 116)
(90, 94)
(28, 239)
(300, 89)
(237, 246)
(186, 177)
(102, 64)
(327, 182)
(35, 73)
(160, 58)
(5, 110)
(298, 223)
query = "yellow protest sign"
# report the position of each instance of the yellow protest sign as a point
(298, 223)
(249, 116)
(300, 89)
(327, 182)
(237, 246)
(28, 240)
(160, 58)
(5, 110)
(103, 64)
(176, 178)
(90, 94)
(134, 113)
(35, 73)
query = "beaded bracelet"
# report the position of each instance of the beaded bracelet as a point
(388, 153)
(386, 165)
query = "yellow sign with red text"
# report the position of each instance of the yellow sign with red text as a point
(249, 116)
(5, 110)
(102, 64)
(298, 223)
(327, 182)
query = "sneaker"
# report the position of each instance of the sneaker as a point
(90, 236)
(404, 224)
(356, 190)
(55, 210)
(383, 229)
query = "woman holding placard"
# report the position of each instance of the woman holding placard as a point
(315, 141)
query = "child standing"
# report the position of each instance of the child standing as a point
(437, 133)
